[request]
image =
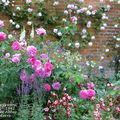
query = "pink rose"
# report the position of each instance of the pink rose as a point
(90, 85)
(16, 45)
(37, 64)
(23, 76)
(47, 87)
(32, 78)
(83, 94)
(3, 36)
(91, 93)
(1, 23)
(41, 31)
(31, 51)
(31, 60)
(16, 58)
(48, 66)
(40, 72)
(74, 19)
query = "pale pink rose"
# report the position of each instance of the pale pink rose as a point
(91, 93)
(41, 31)
(16, 45)
(48, 66)
(83, 94)
(3, 36)
(7, 55)
(90, 85)
(24, 76)
(31, 51)
(74, 19)
(48, 74)
(40, 72)
(44, 56)
(1, 23)
(16, 58)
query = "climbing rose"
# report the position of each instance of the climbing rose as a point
(90, 85)
(83, 94)
(16, 45)
(31, 51)
(56, 86)
(47, 87)
(16, 58)
(1, 23)
(3, 36)
(91, 93)
(41, 31)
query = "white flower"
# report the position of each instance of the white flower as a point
(90, 44)
(116, 25)
(90, 7)
(84, 31)
(77, 45)
(29, 23)
(17, 26)
(100, 67)
(28, 1)
(102, 58)
(64, 20)
(55, 3)
(118, 1)
(118, 39)
(88, 12)
(117, 46)
(10, 36)
(102, 28)
(59, 34)
(81, 1)
(84, 36)
(30, 10)
(69, 44)
(89, 24)
(11, 21)
(105, 24)
(55, 30)
(107, 50)
(39, 14)
(18, 8)
(66, 12)
(93, 37)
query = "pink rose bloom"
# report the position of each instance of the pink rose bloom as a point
(16, 45)
(48, 74)
(31, 51)
(16, 58)
(91, 93)
(1, 23)
(32, 78)
(74, 19)
(37, 64)
(3, 36)
(23, 76)
(41, 31)
(31, 60)
(44, 56)
(40, 72)
(83, 94)
(48, 66)
(47, 87)
(56, 86)
(90, 85)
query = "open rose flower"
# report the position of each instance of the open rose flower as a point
(90, 85)
(56, 86)
(24, 76)
(16, 58)
(1, 23)
(16, 45)
(47, 87)
(31, 51)
(3, 36)
(83, 94)
(91, 93)
(48, 66)
(41, 31)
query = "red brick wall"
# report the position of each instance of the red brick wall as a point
(103, 38)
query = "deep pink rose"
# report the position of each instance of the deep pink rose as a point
(48, 66)
(31, 51)
(16, 58)
(3, 36)
(16, 45)
(41, 31)
(90, 85)
(47, 87)
(83, 94)
(37, 65)
(31, 60)
(91, 93)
